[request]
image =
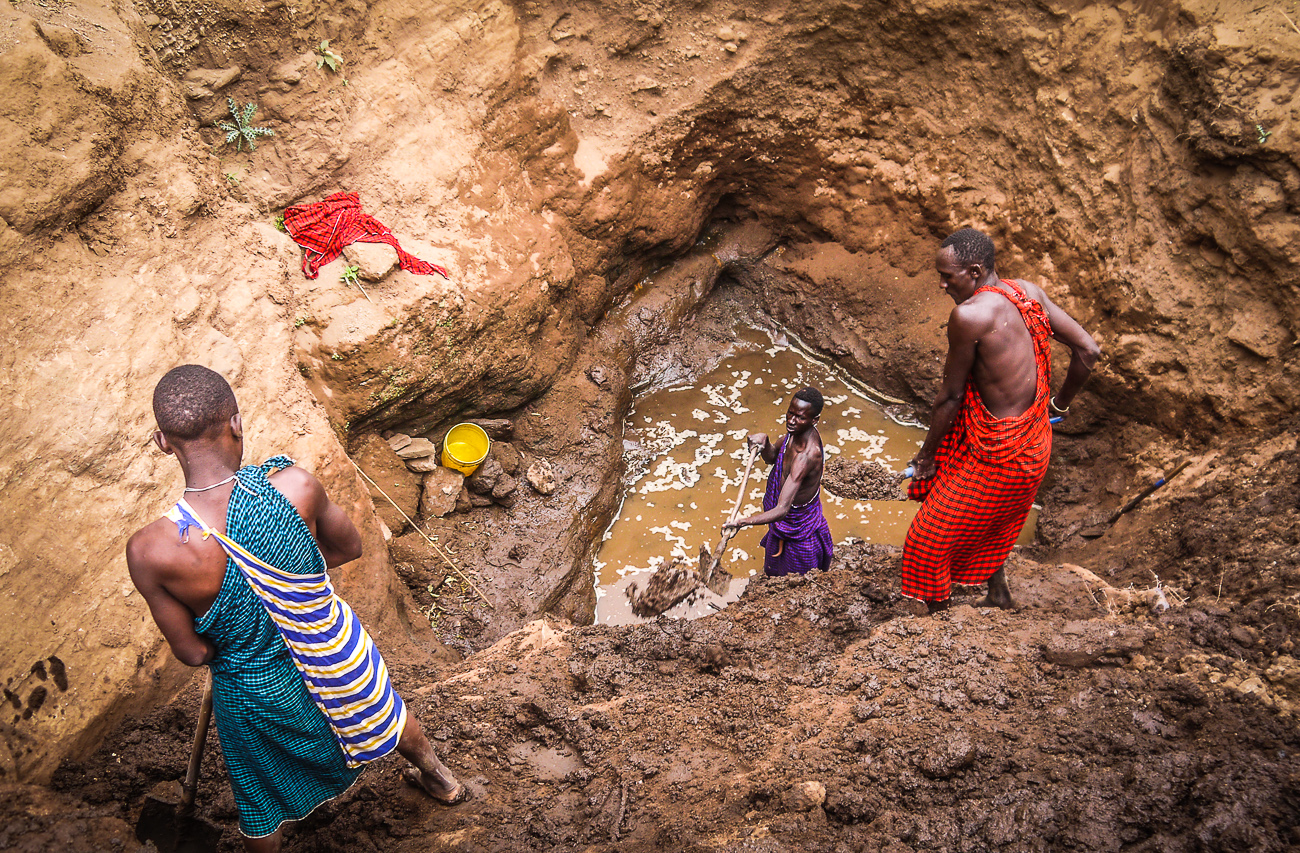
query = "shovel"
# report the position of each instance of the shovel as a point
(707, 573)
(1098, 529)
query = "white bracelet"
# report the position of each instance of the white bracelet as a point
(1051, 403)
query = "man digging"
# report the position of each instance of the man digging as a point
(235, 576)
(798, 538)
(989, 441)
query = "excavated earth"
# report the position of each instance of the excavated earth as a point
(612, 187)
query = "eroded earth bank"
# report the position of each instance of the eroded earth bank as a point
(604, 182)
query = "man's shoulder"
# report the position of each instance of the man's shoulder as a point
(148, 547)
(300, 486)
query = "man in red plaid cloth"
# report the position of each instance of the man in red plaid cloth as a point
(989, 442)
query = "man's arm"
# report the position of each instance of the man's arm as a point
(174, 619)
(765, 447)
(963, 335)
(1084, 351)
(799, 469)
(337, 536)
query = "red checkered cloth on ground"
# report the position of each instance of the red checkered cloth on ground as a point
(325, 227)
(989, 470)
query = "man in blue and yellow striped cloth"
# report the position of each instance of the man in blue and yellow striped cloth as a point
(301, 697)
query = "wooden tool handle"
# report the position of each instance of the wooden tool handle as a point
(190, 787)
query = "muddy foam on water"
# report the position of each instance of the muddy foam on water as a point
(685, 449)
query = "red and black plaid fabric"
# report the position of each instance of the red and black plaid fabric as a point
(325, 227)
(989, 470)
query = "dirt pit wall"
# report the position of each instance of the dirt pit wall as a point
(1142, 167)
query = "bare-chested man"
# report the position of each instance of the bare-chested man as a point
(798, 538)
(235, 576)
(989, 440)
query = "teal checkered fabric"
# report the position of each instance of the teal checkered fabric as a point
(280, 751)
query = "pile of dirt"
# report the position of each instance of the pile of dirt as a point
(862, 480)
(815, 714)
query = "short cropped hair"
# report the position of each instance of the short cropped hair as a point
(971, 247)
(192, 399)
(812, 397)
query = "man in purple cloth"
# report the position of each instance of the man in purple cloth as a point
(798, 538)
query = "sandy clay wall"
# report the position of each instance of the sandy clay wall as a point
(1140, 159)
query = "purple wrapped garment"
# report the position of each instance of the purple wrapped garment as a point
(802, 538)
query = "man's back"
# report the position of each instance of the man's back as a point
(1004, 369)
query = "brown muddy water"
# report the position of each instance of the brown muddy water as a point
(685, 453)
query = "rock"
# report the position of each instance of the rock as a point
(731, 47)
(478, 501)
(507, 500)
(442, 487)
(645, 84)
(294, 70)
(376, 458)
(506, 485)
(417, 448)
(398, 440)
(506, 456)
(463, 503)
(201, 83)
(947, 755)
(541, 477)
(484, 480)
(497, 429)
(424, 464)
(597, 375)
(373, 261)
(805, 796)
(1085, 643)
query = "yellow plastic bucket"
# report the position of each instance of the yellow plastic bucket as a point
(465, 448)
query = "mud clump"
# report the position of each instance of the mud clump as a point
(861, 480)
(668, 586)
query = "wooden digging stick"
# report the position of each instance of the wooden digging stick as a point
(727, 533)
(191, 784)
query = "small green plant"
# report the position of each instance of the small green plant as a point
(299, 322)
(350, 277)
(232, 179)
(327, 57)
(1263, 134)
(279, 223)
(337, 356)
(240, 131)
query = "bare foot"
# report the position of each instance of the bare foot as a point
(936, 606)
(999, 593)
(436, 789)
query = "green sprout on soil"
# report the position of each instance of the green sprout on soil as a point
(350, 277)
(240, 131)
(1263, 134)
(337, 356)
(279, 223)
(327, 57)
(232, 179)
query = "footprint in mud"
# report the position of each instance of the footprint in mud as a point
(46, 669)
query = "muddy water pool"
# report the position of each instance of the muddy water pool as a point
(685, 452)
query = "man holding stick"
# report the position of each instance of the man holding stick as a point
(301, 697)
(989, 441)
(798, 538)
